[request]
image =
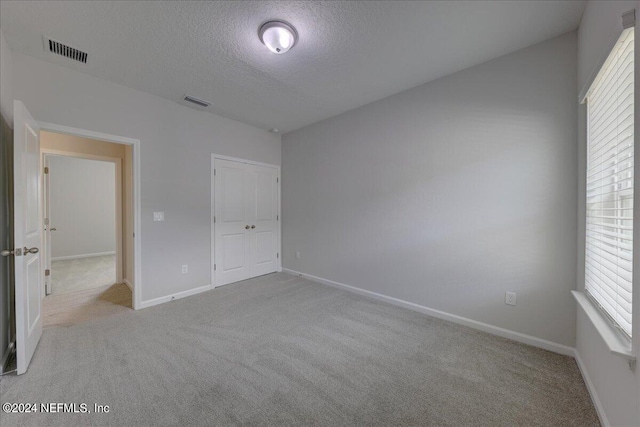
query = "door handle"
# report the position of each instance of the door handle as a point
(31, 251)
(246, 227)
(53, 229)
(6, 252)
(253, 226)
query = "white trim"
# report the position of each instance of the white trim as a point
(5, 357)
(137, 204)
(52, 127)
(592, 391)
(179, 295)
(495, 330)
(128, 283)
(213, 210)
(62, 258)
(614, 340)
(239, 160)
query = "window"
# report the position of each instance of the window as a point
(610, 175)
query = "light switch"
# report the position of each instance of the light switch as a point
(158, 216)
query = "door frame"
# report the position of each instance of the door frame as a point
(137, 233)
(215, 157)
(48, 153)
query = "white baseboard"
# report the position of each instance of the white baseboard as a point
(183, 294)
(5, 357)
(128, 283)
(62, 258)
(592, 391)
(495, 330)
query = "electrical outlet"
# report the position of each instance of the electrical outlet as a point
(510, 298)
(185, 269)
(158, 216)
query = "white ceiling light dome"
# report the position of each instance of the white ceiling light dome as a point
(278, 36)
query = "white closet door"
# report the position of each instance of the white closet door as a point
(246, 221)
(232, 225)
(264, 216)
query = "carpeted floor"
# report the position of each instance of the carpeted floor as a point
(69, 308)
(281, 350)
(70, 275)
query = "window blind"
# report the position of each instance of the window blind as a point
(610, 172)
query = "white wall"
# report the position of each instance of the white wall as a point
(616, 387)
(449, 194)
(176, 145)
(82, 206)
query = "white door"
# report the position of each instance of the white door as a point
(27, 235)
(246, 232)
(47, 228)
(231, 222)
(264, 217)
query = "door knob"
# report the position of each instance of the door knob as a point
(246, 227)
(6, 252)
(31, 251)
(253, 226)
(53, 229)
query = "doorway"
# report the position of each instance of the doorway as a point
(82, 222)
(27, 249)
(86, 208)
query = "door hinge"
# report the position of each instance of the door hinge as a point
(277, 217)
(214, 172)
(214, 219)
(47, 272)
(214, 267)
(278, 255)
(277, 179)
(46, 221)
(46, 170)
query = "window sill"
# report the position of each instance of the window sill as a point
(617, 344)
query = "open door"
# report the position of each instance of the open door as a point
(46, 256)
(27, 235)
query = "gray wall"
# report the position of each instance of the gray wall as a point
(176, 146)
(617, 388)
(6, 81)
(6, 201)
(82, 206)
(7, 327)
(449, 194)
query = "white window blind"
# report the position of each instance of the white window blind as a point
(610, 171)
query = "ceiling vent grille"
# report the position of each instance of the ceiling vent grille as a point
(64, 50)
(196, 101)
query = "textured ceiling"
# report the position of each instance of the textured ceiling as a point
(349, 53)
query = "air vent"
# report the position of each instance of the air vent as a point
(196, 101)
(64, 50)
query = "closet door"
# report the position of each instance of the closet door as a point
(264, 220)
(232, 211)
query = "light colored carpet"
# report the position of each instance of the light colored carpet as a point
(72, 275)
(69, 308)
(281, 350)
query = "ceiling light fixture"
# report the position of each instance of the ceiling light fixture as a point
(278, 36)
